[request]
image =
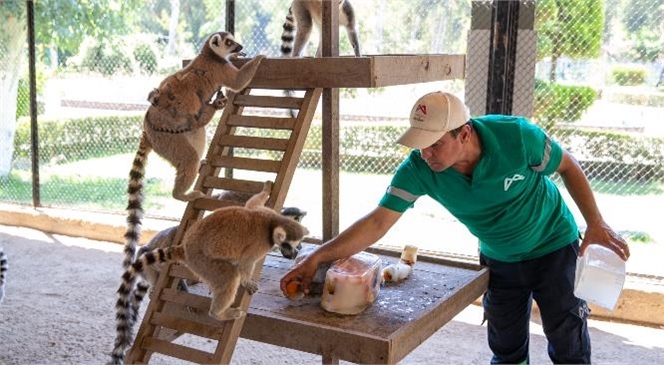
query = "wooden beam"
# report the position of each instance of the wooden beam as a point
(356, 72)
(330, 122)
(329, 44)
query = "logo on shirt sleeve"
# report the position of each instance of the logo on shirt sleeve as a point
(509, 180)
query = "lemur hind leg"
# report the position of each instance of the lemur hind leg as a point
(185, 176)
(207, 111)
(223, 280)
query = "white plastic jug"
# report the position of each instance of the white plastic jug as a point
(600, 275)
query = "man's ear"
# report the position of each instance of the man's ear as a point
(465, 134)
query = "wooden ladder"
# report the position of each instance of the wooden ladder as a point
(237, 145)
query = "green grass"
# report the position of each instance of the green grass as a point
(76, 191)
(637, 237)
(620, 188)
(627, 188)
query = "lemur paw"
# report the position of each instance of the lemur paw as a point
(236, 55)
(193, 195)
(250, 286)
(227, 315)
(220, 101)
(153, 96)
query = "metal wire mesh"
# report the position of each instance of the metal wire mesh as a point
(597, 88)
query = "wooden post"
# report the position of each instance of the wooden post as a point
(330, 48)
(502, 58)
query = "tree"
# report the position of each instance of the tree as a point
(60, 27)
(570, 28)
(13, 33)
(644, 24)
(173, 27)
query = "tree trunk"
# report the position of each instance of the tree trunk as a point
(378, 29)
(439, 31)
(12, 61)
(552, 68)
(8, 94)
(173, 27)
(557, 40)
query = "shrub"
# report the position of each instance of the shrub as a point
(66, 140)
(146, 58)
(23, 99)
(616, 156)
(561, 103)
(23, 95)
(647, 99)
(106, 57)
(628, 76)
(608, 155)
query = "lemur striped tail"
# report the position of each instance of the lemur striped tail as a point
(287, 39)
(135, 198)
(4, 266)
(287, 36)
(125, 316)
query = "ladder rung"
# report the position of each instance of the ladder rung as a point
(260, 143)
(187, 299)
(211, 204)
(244, 163)
(223, 183)
(182, 272)
(183, 325)
(177, 351)
(252, 121)
(287, 102)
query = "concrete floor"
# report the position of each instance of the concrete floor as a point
(59, 309)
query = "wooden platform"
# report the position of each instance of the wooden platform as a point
(353, 72)
(403, 316)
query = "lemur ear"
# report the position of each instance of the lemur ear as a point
(278, 235)
(216, 40)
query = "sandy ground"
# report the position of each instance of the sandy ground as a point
(59, 310)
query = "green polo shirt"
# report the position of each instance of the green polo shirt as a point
(509, 204)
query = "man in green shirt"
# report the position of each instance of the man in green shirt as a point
(491, 173)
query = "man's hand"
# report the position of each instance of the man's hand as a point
(302, 273)
(600, 233)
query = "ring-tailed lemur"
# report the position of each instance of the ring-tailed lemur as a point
(174, 125)
(166, 238)
(302, 16)
(222, 250)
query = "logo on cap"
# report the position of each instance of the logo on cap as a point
(422, 108)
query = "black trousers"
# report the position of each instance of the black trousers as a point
(508, 302)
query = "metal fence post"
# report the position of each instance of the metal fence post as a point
(34, 146)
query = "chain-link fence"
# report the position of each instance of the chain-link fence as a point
(598, 88)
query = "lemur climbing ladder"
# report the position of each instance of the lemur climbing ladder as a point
(237, 146)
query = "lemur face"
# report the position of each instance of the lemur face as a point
(294, 213)
(223, 44)
(289, 249)
(288, 240)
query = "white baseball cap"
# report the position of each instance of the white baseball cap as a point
(432, 116)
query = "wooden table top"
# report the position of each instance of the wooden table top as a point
(403, 316)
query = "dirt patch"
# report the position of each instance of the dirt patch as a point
(61, 291)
